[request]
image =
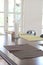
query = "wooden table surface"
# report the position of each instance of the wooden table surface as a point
(26, 61)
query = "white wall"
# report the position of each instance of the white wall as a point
(32, 15)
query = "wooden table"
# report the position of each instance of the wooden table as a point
(34, 45)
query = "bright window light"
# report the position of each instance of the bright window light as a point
(10, 5)
(1, 5)
(1, 19)
(10, 19)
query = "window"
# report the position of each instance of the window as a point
(10, 15)
(10, 5)
(11, 12)
(10, 19)
(2, 16)
(18, 13)
(1, 19)
(1, 5)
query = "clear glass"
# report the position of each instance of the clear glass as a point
(18, 17)
(10, 19)
(19, 28)
(18, 1)
(10, 28)
(1, 5)
(18, 8)
(2, 30)
(10, 5)
(1, 19)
